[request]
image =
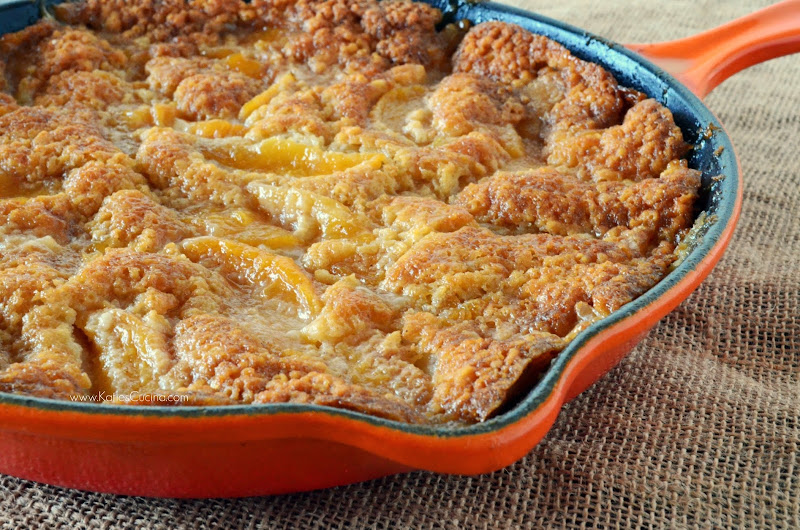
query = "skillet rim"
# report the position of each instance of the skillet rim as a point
(722, 198)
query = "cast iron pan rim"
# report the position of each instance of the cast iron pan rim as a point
(619, 61)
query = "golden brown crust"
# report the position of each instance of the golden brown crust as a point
(64, 51)
(129, 218)
(508, 53)
(474, 375)
(325, 389)
(558, 202)
(347, 32)
(166, 73)
(21, 289)
(95, 89)
(316, 201)
(170, 162)
(77, 50)
(641, 147)
(37, 145)
(7, 103)
(216, 352)
(39, 217)
(293, 110)
(473, 274)
(217, 95)
(463, 101)
(92, 182)
(160, 20)
(51, 378)
(351, 313)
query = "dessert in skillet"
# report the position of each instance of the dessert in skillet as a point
(328, 202)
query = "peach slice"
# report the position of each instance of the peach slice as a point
(308, 213)
(277, 275)
(216, 129)
(9, 186)
(245, 65)
(267, 36)
(284, 156)
(247, 227)
(133, 351)
(138, 117)
(164, 114)
(280, 85)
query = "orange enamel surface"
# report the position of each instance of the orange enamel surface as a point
(703, 61)
(285, 452)
(197, 470)
(268, 453)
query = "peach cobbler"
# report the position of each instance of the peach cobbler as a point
(339, 202)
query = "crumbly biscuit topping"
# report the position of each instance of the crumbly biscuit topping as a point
(318, 201)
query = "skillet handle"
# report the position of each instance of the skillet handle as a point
(703, 61)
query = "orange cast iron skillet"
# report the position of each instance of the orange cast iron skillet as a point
(278, 448)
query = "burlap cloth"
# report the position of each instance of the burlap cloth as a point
(698, 427)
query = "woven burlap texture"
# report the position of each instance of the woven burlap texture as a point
(698, 427)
